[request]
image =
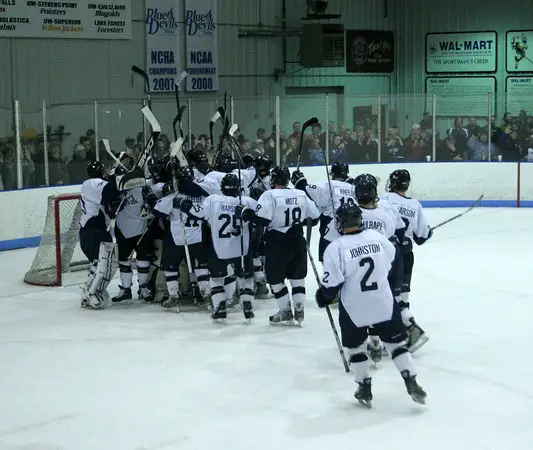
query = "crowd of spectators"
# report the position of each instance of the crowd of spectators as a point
(466, 140)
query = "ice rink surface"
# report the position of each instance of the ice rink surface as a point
(133, 377)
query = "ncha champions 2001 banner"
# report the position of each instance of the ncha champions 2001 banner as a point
(163, 28)
(461, 52)
(201, 45)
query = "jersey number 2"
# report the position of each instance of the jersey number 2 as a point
(365, 286)
(222, 234)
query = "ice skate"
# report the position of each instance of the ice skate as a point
(247, 309)
(220, 314)
(171, 303)
(299, 314)
(261, 290)
(282, 317)
(413, 389)
(364, 393)
(374, 349)
(94, 301)
(145, 294)
(123, 294)
(417, 336)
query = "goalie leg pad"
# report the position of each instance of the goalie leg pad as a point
(105, 270)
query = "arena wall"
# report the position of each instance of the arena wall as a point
(435, 184)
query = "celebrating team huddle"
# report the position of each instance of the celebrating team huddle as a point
(216, 236)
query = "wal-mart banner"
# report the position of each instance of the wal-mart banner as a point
(201, 42)
(461, 52)
(163, 29)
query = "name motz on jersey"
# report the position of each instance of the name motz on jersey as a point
(373, 225)
(291, 201)
(365, 250)
(406, 212)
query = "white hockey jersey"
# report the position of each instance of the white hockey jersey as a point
(384, 219)
(285, 208)
(412, 214)
(219, 212)
(211, 182)
(321, 194)
(91, 200)
(131, 219)
(184, 228)
(360, 263)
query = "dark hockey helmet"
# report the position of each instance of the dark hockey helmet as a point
(248, 160)
(368, 176)
(124, 165)
(339, 170)
(97, 169)
(193, 155)
(280, 176)
(225, 163)
(348, 215)
(230, 185)
(399, 180)
(198, 159)
(365, 188)
(263, 164)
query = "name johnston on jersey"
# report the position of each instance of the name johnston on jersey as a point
(367, 249)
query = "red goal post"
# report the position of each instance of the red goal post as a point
(59, 251)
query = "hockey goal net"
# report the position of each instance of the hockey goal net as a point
(59, 251)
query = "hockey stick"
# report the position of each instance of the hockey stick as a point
(306, 125)
(181, 110)
(330, 317)
(107, 147)
(144, 75)
(477, 203)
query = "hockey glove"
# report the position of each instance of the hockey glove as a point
(322, 300)
(168, 188)
(245, 214)
(149, 196)
(182, 203)
(298, 180)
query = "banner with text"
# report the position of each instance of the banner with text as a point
(519, 94)
(74, 19)
(461, 96)
(461, 52)
(201, 32)
(517, 52)
(369, 51)
(163, 63)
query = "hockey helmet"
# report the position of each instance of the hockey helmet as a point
(263, 164)
(365, 188)
(399, 180)
(248, 160)
(339, 170)
(97, 169)
(225, 163)
(348, 215)
(124, 164)
(280, 176)
(230, 185)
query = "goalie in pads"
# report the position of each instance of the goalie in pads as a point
(96, 242)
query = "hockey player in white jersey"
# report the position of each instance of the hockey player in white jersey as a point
(418, 230)
(97, 194)
(380, 216)
(231, 243)
(283, 211)
(132, 234)
(328, 196)
(356, 266)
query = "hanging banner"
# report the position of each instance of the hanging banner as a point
(369, 51)
(163, 63)
(461, 96)
(201, 34)
(519, 94)
(81, 19)
(518, 53)
(461, 52)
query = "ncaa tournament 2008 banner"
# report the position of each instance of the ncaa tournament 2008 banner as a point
(473, 52)
(163, 28)
(201, 45)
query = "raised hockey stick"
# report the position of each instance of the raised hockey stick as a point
(330, 317)
(477, 203)
(107, 147)
(144, 75)
(312, 121)
(181, 109)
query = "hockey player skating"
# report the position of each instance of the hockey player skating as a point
(132, 234)
(226, 232)
(283, 211)
(356, 266)
(328, 196)
(418, 230)
(96, 242)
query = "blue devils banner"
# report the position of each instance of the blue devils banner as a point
(201, 45)
(163, 28)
